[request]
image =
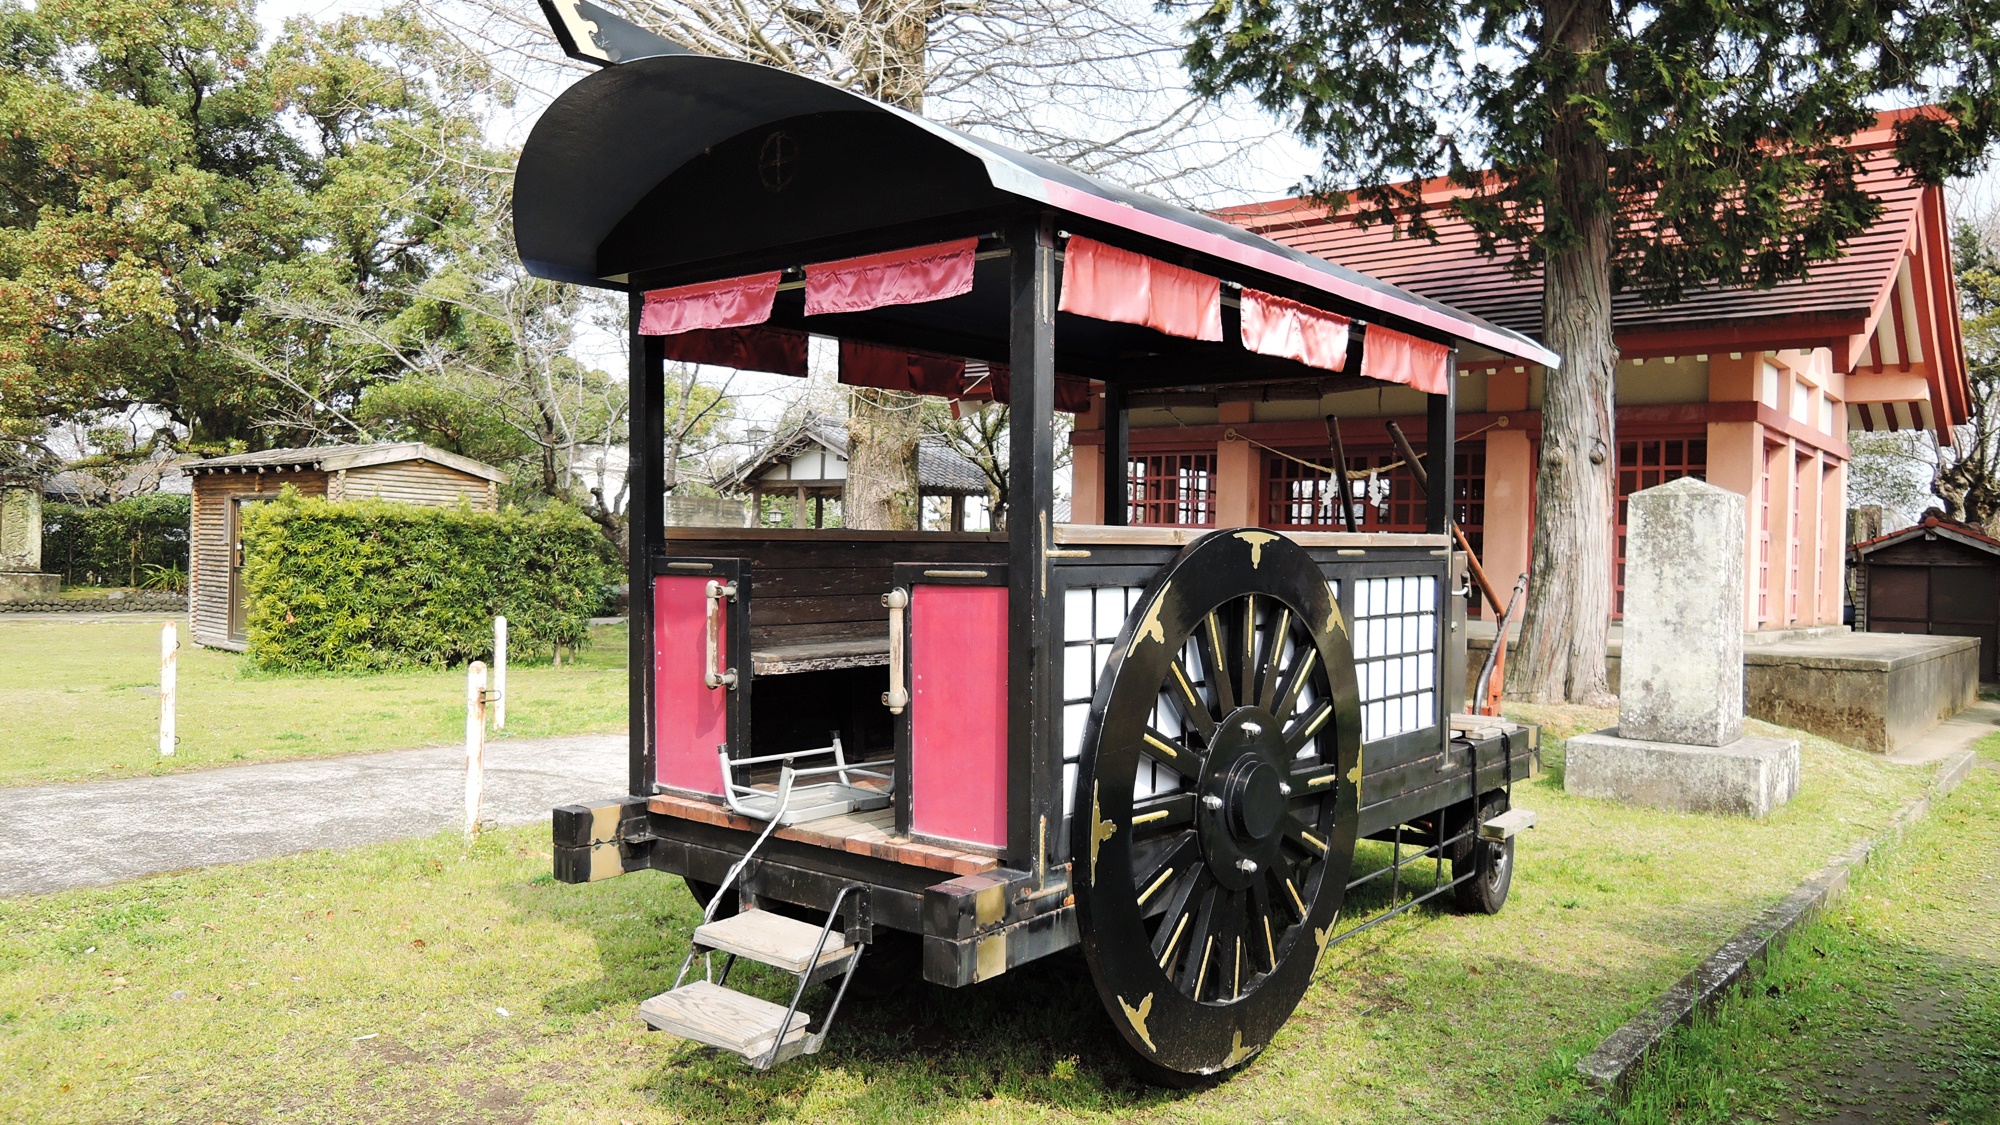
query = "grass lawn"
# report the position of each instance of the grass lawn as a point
(1887, 1008)
(81, 701)
(423, 982)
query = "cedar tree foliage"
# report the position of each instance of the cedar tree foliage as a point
(1655, 146)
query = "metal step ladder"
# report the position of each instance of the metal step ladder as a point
(708, 1011)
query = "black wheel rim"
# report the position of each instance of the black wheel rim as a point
(1216, 801)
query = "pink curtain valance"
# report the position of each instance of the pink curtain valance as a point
(780, 351)
(730, 303)
(1106, 283)
(1274, 325)
(899, 277)
(1394, 357)
(897, 369)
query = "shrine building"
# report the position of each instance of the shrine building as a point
(1755, 390)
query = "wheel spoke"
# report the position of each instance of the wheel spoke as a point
(1174, 860)
(1162, 815)
(1264, 926)
(1308, 725)
(1313, 781)
(1199, 944)
(1304, 838)
(1192, 707)
(1213, 655)
(1174, 922)
(1231, 911)
(1274, 655)
(1171, 751)
(1295, 682)
(1248, 669)
(1287, 894)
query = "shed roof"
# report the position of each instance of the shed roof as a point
(941, 470)
(332, 458)
(1932, 527)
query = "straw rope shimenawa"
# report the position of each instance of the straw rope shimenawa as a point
(1378, 470)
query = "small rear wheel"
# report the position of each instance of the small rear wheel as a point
(704, 892)
(1489, 862)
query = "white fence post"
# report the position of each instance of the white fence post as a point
(475, 743)
(170, 666)
(499, 673)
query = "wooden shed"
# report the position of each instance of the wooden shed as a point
(1939, 578)
(409, 472)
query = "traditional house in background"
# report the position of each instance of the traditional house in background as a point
(408, 472)
(1753, 390)
(1937, 578)
(806, 462)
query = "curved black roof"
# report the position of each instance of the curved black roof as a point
(620, 184)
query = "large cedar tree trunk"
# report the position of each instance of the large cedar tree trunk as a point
(1569, 594)
(883, 426)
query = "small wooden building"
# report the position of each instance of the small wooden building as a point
(806, 462)
(409, 472)
(1938, 578)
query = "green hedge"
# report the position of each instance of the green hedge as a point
(370, 584)
(115, 544)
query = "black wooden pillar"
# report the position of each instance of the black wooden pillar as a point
(645, 516)
(1034, 755)
(1441, 449)
(1117, 459)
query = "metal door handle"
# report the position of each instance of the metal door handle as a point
(713, 674)
(898, 695)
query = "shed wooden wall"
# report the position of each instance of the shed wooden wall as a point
(413, 482)
(208, 543)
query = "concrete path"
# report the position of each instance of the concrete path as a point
(1954, 734)
(89, 833)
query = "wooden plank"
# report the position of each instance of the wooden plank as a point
(870, 834)
(721, 1017)
(771, 939)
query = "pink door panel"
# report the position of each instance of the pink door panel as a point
(958, 713)
(690, 718)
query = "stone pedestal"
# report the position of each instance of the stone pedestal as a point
(1679, 741)
(1748, 777)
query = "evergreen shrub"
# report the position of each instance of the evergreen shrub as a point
(364, 585)
(116, 544)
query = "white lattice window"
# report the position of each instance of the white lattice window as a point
(1092, 618)
(1395, 654)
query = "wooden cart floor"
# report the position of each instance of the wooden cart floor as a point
(866, 833)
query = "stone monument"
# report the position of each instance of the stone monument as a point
(21, 577)
(1679, 742)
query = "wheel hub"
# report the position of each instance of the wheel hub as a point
(1244, 797)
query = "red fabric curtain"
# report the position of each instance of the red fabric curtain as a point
(900, 277)
(995, 382)
(1394, 357)
(731, 303)
(1106, 283)
(1276, 326)
(898, 369)
(781, 351)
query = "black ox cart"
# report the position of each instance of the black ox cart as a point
(1161, 744)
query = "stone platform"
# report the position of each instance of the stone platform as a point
(1873, 691)
(1748, 777)
(17, 587)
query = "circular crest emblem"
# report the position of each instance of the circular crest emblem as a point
(778, 161)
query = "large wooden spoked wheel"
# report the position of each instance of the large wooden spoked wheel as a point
(1215, 816)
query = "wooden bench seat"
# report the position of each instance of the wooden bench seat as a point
(820, 656)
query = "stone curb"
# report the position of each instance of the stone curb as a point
(1611, 1068)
